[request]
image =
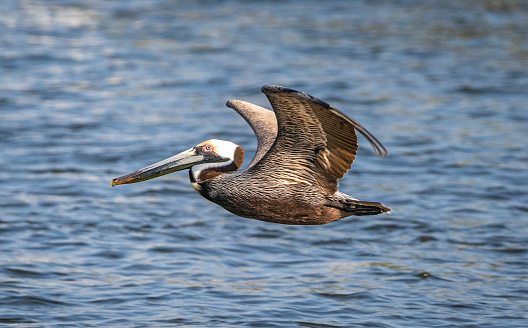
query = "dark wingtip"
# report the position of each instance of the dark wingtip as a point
(230, 104)
(270, 89)
(376, 144)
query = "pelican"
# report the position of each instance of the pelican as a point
(304, 147)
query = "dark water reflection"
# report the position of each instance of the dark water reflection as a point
(90, 90)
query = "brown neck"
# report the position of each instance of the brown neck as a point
(214, 171)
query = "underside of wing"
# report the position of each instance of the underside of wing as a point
(263, 123)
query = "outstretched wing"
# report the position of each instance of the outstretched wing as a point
(263, 123)
(315, 143)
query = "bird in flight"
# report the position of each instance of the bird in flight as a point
(304, 147)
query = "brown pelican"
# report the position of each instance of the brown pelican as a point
(304, 147)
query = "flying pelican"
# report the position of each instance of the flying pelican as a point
(304, 147)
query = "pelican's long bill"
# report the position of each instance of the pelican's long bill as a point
(181, 161)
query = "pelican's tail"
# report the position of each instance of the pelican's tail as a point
(353, 206)
(365, 208)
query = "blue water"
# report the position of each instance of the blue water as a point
(91, 90)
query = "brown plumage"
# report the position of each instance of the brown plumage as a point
(304, 147)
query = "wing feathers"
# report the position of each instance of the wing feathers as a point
(329, 136)
(304, 139)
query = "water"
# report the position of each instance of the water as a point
(91, 90)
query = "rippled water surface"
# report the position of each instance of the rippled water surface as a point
(91, 90)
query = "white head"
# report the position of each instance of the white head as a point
(221, 148)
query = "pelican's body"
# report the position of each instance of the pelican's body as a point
(304, 147)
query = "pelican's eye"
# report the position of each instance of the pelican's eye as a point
(207, 148)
